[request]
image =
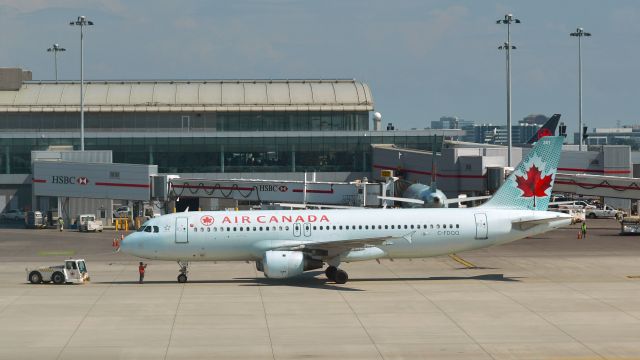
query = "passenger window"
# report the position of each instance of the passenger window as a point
(366, 227)
(347, 227)
(457, 226)
(156, 229)
(438, 226)
(314, 227)
(418, 226)
(405, 226)
(380, 226)
(431, 226)
(260, 228)
(334, 227)
(412, 226)
(241, 228)
(392, 226)
(234, 228)
(229, 228)
(286, 228)
(340, 227)
(386, 226)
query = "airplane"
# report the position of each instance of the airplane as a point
(286, 243)
(548, 129)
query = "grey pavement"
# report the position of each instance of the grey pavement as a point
(552, 297)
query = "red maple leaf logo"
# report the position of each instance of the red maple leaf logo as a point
(206, 220)
(534, 185)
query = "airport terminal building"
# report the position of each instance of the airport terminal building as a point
(273, 129)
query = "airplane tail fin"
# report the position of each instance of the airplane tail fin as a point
(529, 185)
(548, 129)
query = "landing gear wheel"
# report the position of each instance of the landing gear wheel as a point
(340, 277)
(57, 278)
(330, 272)
(35, 277)
(184, 270)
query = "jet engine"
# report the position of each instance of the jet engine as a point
(284, 264)
(432, 197)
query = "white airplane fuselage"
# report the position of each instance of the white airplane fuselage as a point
(412, 233)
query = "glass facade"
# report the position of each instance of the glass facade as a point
(269, 152)
(187, 121)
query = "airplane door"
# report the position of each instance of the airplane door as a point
(297, 229)
(307, 229)
(182, 230)
(481, 226)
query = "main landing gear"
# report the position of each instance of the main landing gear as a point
(336, 275)
(182, 278)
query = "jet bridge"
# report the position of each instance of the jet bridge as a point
(357, 193)
(598, 185)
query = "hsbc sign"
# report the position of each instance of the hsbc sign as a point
(63, 179)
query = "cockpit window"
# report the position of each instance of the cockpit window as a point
(156, 229)
(141, 228)
(147, 229)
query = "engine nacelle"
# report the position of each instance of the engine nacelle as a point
(285, 264)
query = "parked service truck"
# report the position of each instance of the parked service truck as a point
(606, 211)
(73, 271)
(88, 222)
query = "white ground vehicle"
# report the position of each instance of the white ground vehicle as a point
(606, 211)
(88, 222)
(73, 271)
(12, 215)
(577, 215)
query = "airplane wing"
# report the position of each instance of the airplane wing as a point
(339, 246)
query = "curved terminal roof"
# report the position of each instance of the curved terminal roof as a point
(185, 95)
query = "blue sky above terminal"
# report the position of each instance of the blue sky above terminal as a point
(422, 59)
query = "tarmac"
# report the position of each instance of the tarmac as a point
(550, 297)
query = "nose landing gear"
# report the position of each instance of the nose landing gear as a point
(182, 277)
(336, 275)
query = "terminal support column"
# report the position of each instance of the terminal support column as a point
(293, 158)
(221, 158)
(7, 158)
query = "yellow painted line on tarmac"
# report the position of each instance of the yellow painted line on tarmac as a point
(57, 253)
(462, 261)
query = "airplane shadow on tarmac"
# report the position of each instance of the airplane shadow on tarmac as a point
(309, 280)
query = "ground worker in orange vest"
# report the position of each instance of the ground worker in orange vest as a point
(141, 269)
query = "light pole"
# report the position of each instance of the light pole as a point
(579, 34)
(508, 20)
(82, 22)
(55, 49)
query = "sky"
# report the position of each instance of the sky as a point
(422, 59)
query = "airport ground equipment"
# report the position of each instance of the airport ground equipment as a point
(605, 212)
(73, 271)
(88, 222)
(630, 225)
(34, 220)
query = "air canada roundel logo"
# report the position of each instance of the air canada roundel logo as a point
(82, 180)
(207, 220)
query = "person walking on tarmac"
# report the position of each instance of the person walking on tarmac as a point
(584, 229)
(60, 223)
(141, 269)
